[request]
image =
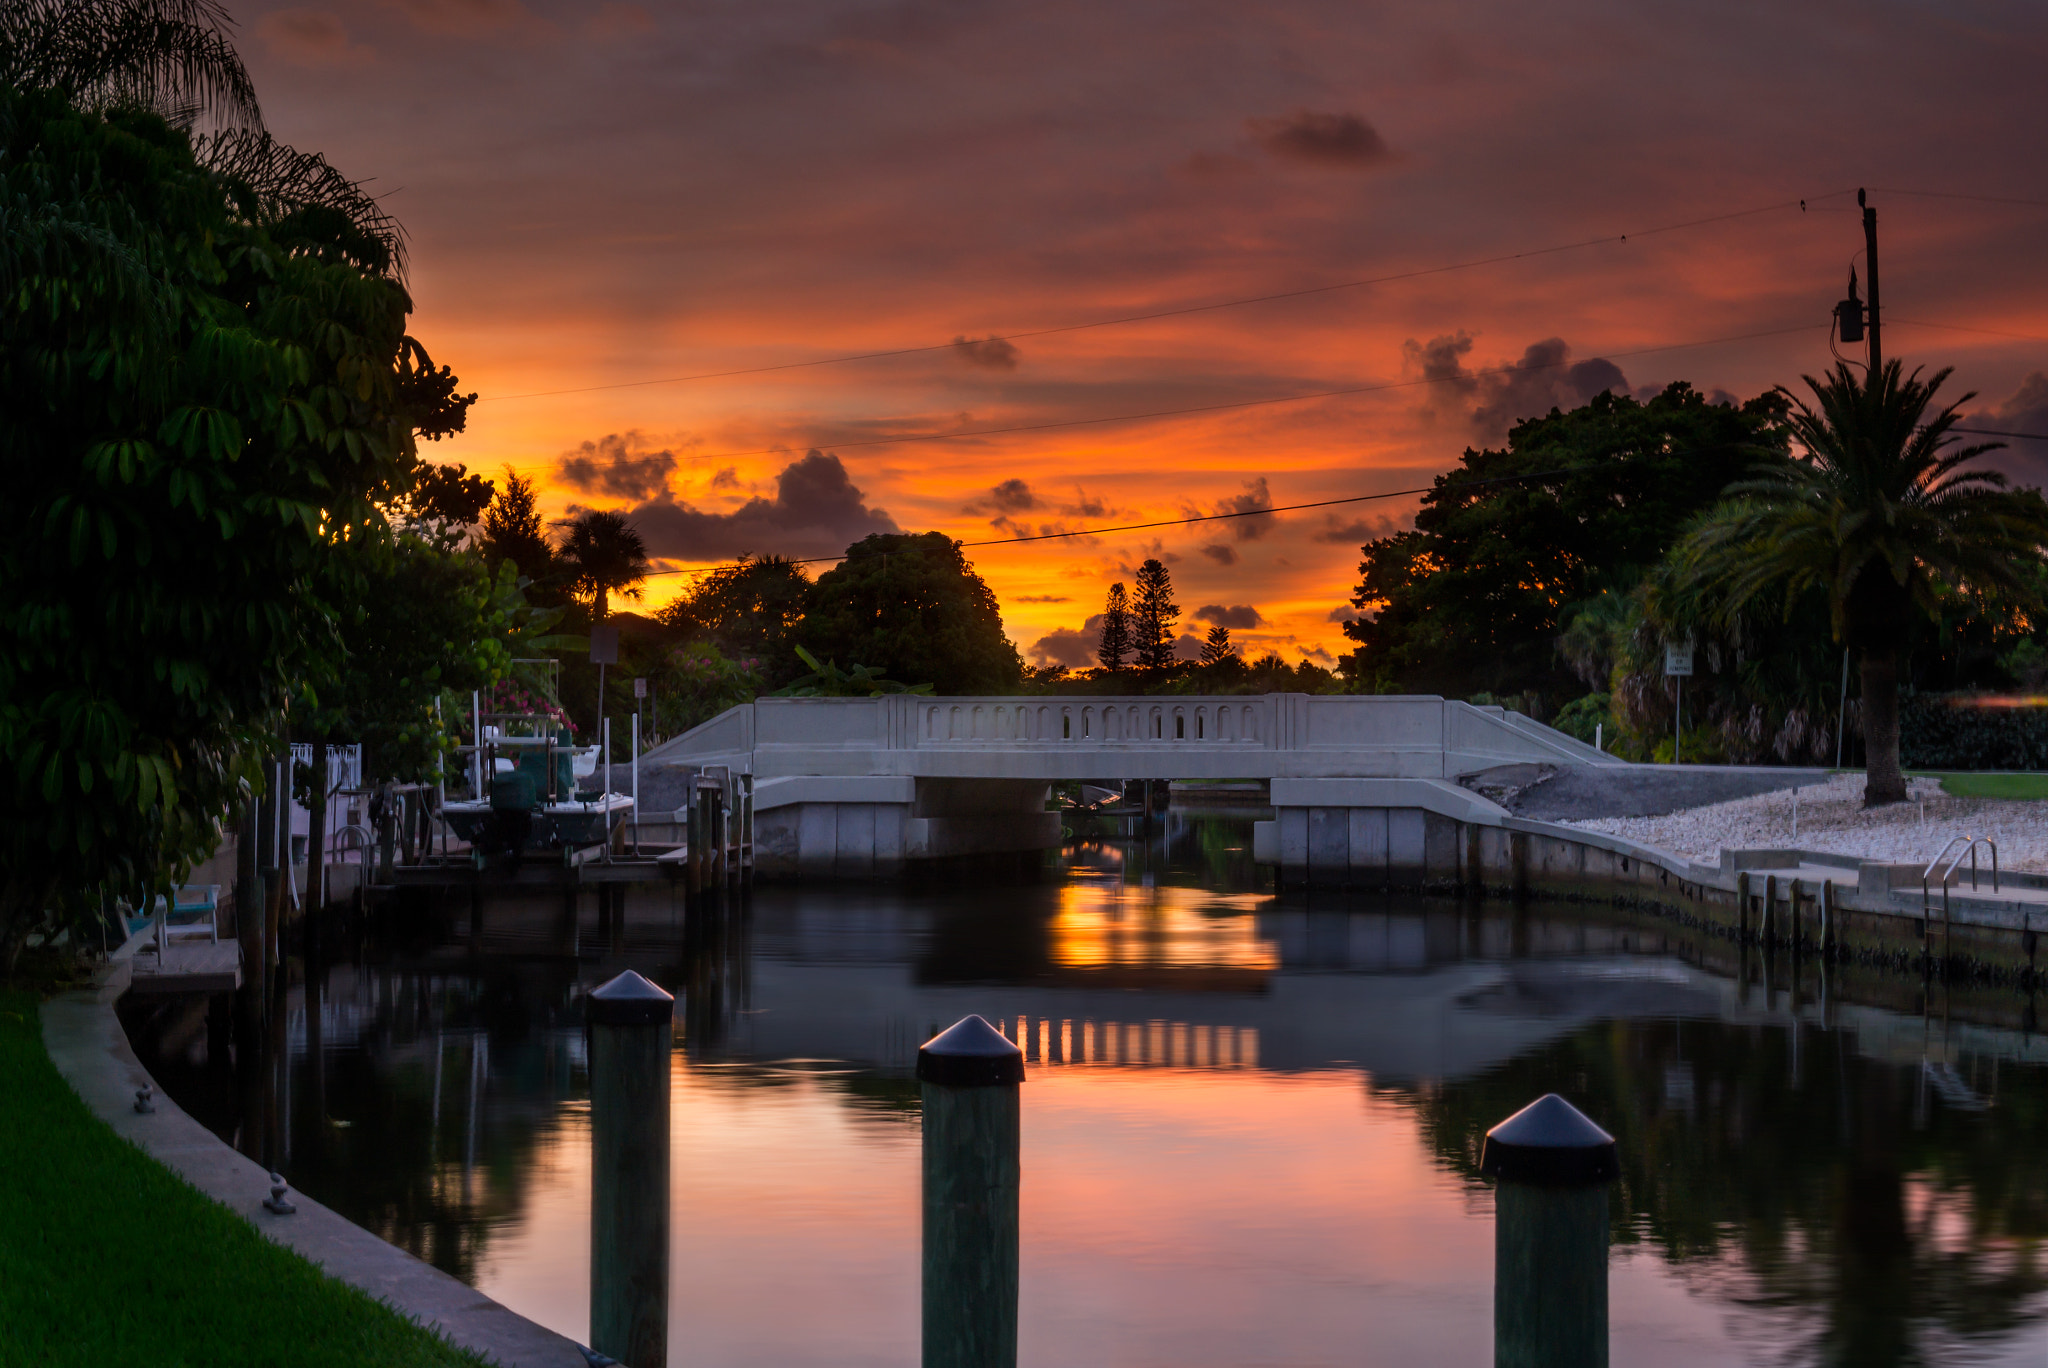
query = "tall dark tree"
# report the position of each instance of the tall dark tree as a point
(1115, 647)
(604, 556)
(175, 58)
(1474, 596)
(512, 530)
(1877, 515)
(1217, 648)
(1153, 615)
(194, 415)
(911, 606)
(747, 610)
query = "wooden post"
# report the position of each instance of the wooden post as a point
(1827, 919)
(1742, 907)
(969, 1076)
(631, 1023)
(1550, 1236)
(1767, 929)
(249, 902)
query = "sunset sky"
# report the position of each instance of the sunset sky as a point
(616, 194)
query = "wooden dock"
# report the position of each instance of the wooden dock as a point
(187, 966)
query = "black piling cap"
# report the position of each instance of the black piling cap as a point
(970, 1054)
(1550, 1143)
(629, 1000)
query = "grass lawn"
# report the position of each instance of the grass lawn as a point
(1994, 785)
(107, 1257)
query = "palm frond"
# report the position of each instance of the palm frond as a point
(302, 199)
(175, 57)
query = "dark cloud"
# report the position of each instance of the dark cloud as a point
(1231, 615)
(610, 465)
(1011, 496)
(816, 511)
(1069, 646)
(2027, 411)
(1256, 497)
(1344, 614)
(1086, 505)
(1356, 532)
(728, 477)
(1495, 398)
(1221, 552)
(1321, 139)
(1187, 646)
(1043, 598)
(989, 353)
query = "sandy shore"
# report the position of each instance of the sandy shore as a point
(1832, 818)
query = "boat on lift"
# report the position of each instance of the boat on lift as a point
(533, 789)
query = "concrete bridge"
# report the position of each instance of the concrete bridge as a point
(861, 787)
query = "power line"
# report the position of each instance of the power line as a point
(1957, 195)
(1995, 432)
(1509, 368)
(1959, 327)
(1182, 522)
(1608, 240)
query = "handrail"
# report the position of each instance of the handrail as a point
(1970, 844)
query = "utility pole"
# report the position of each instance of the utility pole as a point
(1870, 265)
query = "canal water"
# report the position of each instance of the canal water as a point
(1251, 1126)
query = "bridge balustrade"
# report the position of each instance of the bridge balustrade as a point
(1053, 722)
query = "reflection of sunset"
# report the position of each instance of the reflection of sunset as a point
(1100, 927)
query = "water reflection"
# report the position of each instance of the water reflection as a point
(1251, 1132)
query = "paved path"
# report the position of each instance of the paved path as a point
(1578, 793)
(89, 1048)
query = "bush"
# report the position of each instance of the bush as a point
(1581, 716)
(1971, 732)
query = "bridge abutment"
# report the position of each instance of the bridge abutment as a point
(853, 827)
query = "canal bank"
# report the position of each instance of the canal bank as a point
(1433, 836)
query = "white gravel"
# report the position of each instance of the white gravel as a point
(1832, 819)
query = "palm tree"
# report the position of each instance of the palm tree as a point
(1876, 515)
(604, 555)
(171, 56)
(177, 59)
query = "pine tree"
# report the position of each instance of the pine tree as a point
(1217, 648)
(1153, 615)
(512, 530)
(1116, 629)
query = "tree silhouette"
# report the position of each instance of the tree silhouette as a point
(1876, 516)
(1115, 646)
(604, 556)
(172, 57)
(1217, 648)
(512, 530)
(1153, 615)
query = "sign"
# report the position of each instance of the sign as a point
(1678, 660)
(604, 645)
(640, 686)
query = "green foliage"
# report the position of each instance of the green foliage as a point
(912, 604)
(1585, 717)
(1153, 615)
(172, 57)
(829, 681)
(444, 502)
(1972, 732)
(697, 682)
(413, 619)
(1473, 597)
(1879, 521)
(1114, 649)
(192, 417)
(748, 609)
(198, 1283)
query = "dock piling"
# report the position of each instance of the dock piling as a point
(1553, 1167)
(630, 1022)
(969, 1076)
